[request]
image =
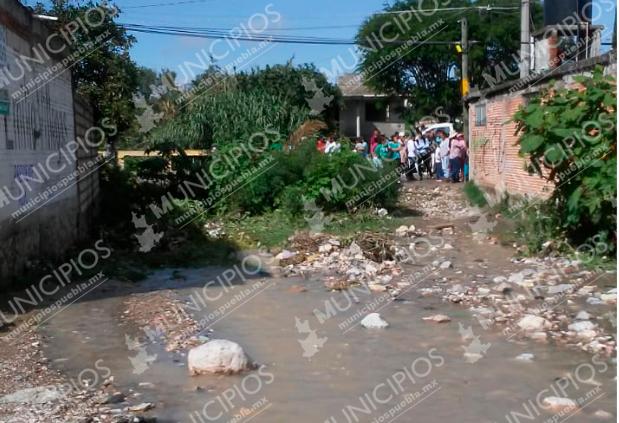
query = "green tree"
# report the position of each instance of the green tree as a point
(429, 74)
(105, 75)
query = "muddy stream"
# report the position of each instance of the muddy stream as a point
(354, 369)
(320, 365)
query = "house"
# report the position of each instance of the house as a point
(363, 109)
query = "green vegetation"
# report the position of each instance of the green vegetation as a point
(106, 75)
(428, 74)
(474, 194)
(569, 137)
(263, 176)
(273, 229)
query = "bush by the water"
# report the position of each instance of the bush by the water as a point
(569, 137)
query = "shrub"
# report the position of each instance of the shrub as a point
(569, 137)
(474, 194)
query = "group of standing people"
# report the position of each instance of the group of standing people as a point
(431, 152)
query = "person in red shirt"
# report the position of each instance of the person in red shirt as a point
(321, 144)
(374, 140)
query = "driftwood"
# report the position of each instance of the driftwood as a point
(376, 247)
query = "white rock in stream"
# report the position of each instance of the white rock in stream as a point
(374, 321)
(558, 404)
(446, 265)
(285, 255)
(533, 323)
(583, 315)
(581, 326)
(218, 356)
(402, 231)
(437, 318)
(525, 357)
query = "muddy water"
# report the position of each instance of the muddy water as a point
(411, 371)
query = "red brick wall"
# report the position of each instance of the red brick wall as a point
(494, 159)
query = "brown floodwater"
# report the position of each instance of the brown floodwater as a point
(319, 365)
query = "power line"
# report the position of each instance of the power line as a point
(172, 3)
(211, 33)
(488, 8)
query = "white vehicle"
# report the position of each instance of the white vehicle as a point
(446, 127)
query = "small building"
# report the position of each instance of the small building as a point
(363, 109)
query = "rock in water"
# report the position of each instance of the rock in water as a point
(446, 265)
(582, 326)
(437, 318)
(525, 357)
(218, 356)
(374, 321)
(560, 404)
(532, 323)
(583, 315)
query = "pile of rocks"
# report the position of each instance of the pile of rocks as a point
(438, 202)
(37, 393)
(341, 266)
(161, 315)
(543, 301)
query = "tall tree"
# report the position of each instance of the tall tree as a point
(430, 74)
(104, 72)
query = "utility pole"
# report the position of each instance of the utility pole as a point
(525, 38)
(465, 76)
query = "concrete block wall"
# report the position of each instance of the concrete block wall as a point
(43, 219)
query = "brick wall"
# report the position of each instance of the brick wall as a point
(494, 161)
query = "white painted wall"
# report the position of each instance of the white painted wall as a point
(34, 136)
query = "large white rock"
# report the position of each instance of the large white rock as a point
(374, 321)
(532, 323)
(218, 356)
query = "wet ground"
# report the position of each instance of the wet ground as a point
(320, 365)
(350, 364)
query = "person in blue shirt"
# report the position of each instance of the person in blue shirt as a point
(394, 146)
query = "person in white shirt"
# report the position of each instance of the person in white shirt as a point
(332, 146)
(436, 160)
(411, 153)
(444, 152)
(361, 147)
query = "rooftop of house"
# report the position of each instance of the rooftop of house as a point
(351, 85)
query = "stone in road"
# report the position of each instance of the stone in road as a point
(218, 356)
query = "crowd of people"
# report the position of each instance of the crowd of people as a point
(430, 152)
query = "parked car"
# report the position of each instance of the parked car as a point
(447, 127)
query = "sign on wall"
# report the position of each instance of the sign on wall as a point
(5, 102)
